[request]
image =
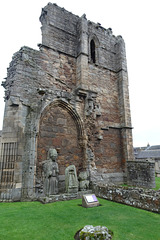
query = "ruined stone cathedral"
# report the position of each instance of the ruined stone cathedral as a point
(71, 94)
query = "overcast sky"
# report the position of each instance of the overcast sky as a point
(138, 21)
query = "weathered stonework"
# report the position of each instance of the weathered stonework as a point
(141, 173)
(89, 232)
(72, 94)
(146, 199)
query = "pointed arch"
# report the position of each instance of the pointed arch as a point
(72, 112)
(93, 49)
(60, 126)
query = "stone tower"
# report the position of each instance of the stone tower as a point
(72, 94)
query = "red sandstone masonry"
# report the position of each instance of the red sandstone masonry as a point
(58, 129)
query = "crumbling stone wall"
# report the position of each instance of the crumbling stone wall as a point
(147, 199)
(72, 94)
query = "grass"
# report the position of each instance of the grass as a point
(61, 220)
(157, 179)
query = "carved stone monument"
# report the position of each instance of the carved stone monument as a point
(50, 173)
(83, 181)
(71, 180)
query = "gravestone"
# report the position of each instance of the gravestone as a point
(83, 181)
(71, 180)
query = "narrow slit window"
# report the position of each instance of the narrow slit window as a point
(93, 53)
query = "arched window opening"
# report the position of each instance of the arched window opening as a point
(93, 53)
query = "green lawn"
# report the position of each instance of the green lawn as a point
(61, 220)
(157, 183)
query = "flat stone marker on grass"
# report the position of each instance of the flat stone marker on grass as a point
(89, 200)
(92, 233)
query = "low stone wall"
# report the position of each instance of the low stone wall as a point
(50, 199)
(63, 197)
(147, 199)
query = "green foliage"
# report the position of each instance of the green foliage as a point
(61, 220)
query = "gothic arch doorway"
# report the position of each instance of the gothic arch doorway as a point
(60, 127)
